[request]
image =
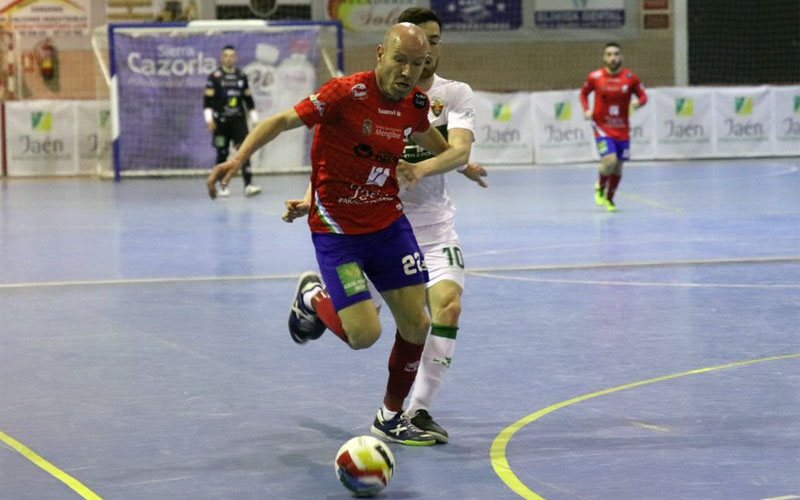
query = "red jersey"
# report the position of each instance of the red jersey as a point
(612, 99)
(360, 137)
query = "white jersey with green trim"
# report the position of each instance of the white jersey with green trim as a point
(451, 107)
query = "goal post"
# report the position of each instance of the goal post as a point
(157, 76)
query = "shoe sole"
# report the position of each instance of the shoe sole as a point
(382, 434)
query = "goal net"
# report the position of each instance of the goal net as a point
(157, 80)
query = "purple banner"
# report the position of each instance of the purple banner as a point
(485, 15)
(162, 77)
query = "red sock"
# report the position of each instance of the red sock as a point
(603, 180)
(613, 182)
(403, 364)
(323, 306)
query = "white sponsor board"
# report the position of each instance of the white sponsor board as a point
(684, 124)
(93, 136)
(40, 138)
(502, 128)
(561, 133)
(786, 120)
(743, 121)
(643, 129)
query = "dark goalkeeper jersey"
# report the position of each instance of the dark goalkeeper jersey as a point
(228, 95)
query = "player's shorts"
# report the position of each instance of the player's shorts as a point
(230, 130)
(442, 251)
(443, 257)
(390, 257)
(607, 146)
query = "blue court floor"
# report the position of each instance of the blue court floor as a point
(653, 353)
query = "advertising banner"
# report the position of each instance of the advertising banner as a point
(503, 134)
(744, 121)
(786, 120)
(40, 138)
(643, 133)
(483, 15)
(40, 18)
(369, 16)
(93, 136)
(561, 133)
(579, 14)
(684, 124)
(161, 84)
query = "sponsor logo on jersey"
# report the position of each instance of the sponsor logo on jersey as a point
(366, 127)
(420, 100)
(393, 112)
(388, 132)
(359, 91)
(407, 133)
(378, 176)
(320, 105)
(437, 106)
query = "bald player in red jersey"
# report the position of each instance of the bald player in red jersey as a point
(356, 217)
(613, 85)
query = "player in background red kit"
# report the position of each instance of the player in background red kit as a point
(613, 85)
(356, 217)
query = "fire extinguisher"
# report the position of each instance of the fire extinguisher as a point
(46, 54)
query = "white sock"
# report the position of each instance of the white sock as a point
(387, 413)
(433, 368)
(307, 296)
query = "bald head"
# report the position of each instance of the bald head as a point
(408, 35)
(401, 58)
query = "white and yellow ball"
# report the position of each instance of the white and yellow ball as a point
(364, 465)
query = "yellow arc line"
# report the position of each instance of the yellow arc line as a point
(497, 452)
(54, 471)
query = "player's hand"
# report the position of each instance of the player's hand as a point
(408, 174)
(475, 172)
(587, 114)
(211, 126)
(221, 173)
(295, 209)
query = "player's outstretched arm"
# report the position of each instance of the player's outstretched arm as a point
(266, 131)
(475, 172)
(448, 155)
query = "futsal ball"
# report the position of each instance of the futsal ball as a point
(364, 465)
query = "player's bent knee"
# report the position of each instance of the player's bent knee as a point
(362, 339)
(449, 313)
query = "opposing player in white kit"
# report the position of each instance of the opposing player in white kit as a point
(431, 212)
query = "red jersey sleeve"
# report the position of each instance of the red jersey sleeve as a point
(638, 89)
(586, 89)
(321, 106)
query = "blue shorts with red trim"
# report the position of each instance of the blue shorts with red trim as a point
(607, 146)
(391, 258)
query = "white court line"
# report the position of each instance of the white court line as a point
(633, 283)
(478, 271)
(649, 201)
(138, 281)
(651, 263)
